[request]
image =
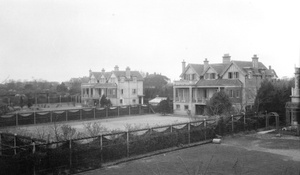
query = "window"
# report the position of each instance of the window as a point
(212, 76)
(122, 91)
(102, 80)
(97, 81)
(133, 101)
(206, 76)
(133, 91)
(193, 76)
(237, 94)
(177, 107)
(205, 93)
(186, 107)
(114, 92)
(121, 101)
(230, 75)
(236, 75)
(230, 93)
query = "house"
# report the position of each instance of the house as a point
(293, 107)
(239, 79)
(120, 87)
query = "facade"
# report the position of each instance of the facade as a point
(120, 87)
(239, 79)
(293, 107)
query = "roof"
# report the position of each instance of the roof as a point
(219, 82)
(132, 74)
(158, 99)
(221, 68)
(118, 74)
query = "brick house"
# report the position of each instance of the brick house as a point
(121, 87)
(239, 79)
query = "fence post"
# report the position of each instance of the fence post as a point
(17, 119)
(106, 108)
(34, 117)
(70, 147)
(129, 108)
(127, 142)
(51, 116)
(101, 148)
(171, 128)
(33, 151)
(67, 115)
(232, 125)
(244, 120)
(205, 128)
(80, 111)
(95, 112)
(118, 108)
(15, 143)
(189, 131)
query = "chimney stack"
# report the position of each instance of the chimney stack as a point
(127, 72)
(255, 61)
(205, 64)
(116, 68)
(90, 72)
(183, 66)
(103, 70)
(270, 68)
(226, 58)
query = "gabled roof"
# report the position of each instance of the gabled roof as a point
(119, 74)
(198, 68)
(219, 82)
(98, 75)
(218, 68)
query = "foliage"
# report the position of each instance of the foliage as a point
(157, 85)
(272, 96)
(164, 107)
(219, 104)
(104, 101)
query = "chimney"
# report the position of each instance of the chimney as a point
(270, 68)
(226, 58)
(205, 64)
(103, 70)
(183, 66)
(90, 72)
(255, 61)
(128, 72)
(116, 68)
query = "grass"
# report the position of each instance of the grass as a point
(210, 159)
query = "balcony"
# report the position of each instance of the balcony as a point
(200, 100)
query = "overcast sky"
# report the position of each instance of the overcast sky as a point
(56, 40)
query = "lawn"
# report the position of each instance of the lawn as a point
(250, 154)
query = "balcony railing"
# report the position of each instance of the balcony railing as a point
(200, 100)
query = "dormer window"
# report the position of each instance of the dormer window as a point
(102, 80)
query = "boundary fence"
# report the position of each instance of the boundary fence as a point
(21, 155)
(38, 117)
(77, 155)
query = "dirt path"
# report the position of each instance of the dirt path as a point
(286, 146)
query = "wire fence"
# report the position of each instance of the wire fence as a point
(81, 154)
(38, 117)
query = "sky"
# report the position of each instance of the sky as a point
(56, 40)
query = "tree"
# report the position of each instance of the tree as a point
(272, 96)
(157, 85)
(219, 104)
(62, 88)
(105, 102)
(164, 107)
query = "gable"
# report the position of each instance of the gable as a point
(190, 70)
(210, 70)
